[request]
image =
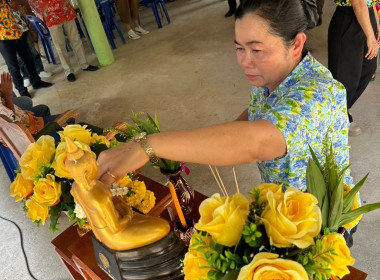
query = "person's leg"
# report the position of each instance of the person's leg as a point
(49, 119)
(124, 11)
(24, 52)
(76, 43)
(134, 11)
(24, 72)
(36, 58)
(134, 6)
(41, 110)
(23, 102)
(58, 38)
(368, 67)
(8, 49)
(345, 51)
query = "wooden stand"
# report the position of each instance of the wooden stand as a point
(77, 253)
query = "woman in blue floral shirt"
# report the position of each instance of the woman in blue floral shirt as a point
(295, 102)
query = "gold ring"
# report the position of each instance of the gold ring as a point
(110, 174)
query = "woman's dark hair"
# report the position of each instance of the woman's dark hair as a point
(286, 18)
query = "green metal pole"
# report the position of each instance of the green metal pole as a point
(96, 32)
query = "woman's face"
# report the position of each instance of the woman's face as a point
(265, 58)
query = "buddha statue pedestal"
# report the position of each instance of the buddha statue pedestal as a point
(159, 260)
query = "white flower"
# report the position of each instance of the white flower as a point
(79, 211)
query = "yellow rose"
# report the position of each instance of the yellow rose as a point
(37, 154)
(292, 218)
(21, 188)
(267, 266)
(60, 158)
(76, 132)
(342, 259)
(100, 139)
(47, 191)
(263, 189)
(356, 205)
(37, 211)
(195, 266)
(224, 217)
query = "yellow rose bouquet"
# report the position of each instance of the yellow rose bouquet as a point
(279, 232)
(43, 183)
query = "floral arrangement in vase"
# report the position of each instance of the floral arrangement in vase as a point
(280, 232)
(43, 183)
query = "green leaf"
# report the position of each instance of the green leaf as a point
(315, 159)
(225, 266)
(54, 212)
(317, 187)
(349, 198)
(336, 206)
(231, 275)
(341, 173)
(353, 214)
(325, 210)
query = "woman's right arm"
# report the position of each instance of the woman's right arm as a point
(362, 15)
(236, 142)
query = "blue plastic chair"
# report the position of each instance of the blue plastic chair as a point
(9, 162)
(109, 21)
(153, 4)
(44, 34)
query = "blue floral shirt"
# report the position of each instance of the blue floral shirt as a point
(309, 108)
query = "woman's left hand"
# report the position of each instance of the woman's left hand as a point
(373, 48)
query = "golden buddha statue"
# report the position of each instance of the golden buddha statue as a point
(113, 222)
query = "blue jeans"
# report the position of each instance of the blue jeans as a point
(36, 59)
(9, 49)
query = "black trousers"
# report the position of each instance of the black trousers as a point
(346, 50)
(9, 49)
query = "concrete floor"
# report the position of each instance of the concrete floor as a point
(187, 73)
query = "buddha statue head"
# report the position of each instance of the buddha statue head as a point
(82, 164)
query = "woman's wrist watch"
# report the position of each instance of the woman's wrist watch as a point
(142, 140)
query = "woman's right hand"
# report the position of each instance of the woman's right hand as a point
(373, 48)
(6, 86)
(115, 163)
